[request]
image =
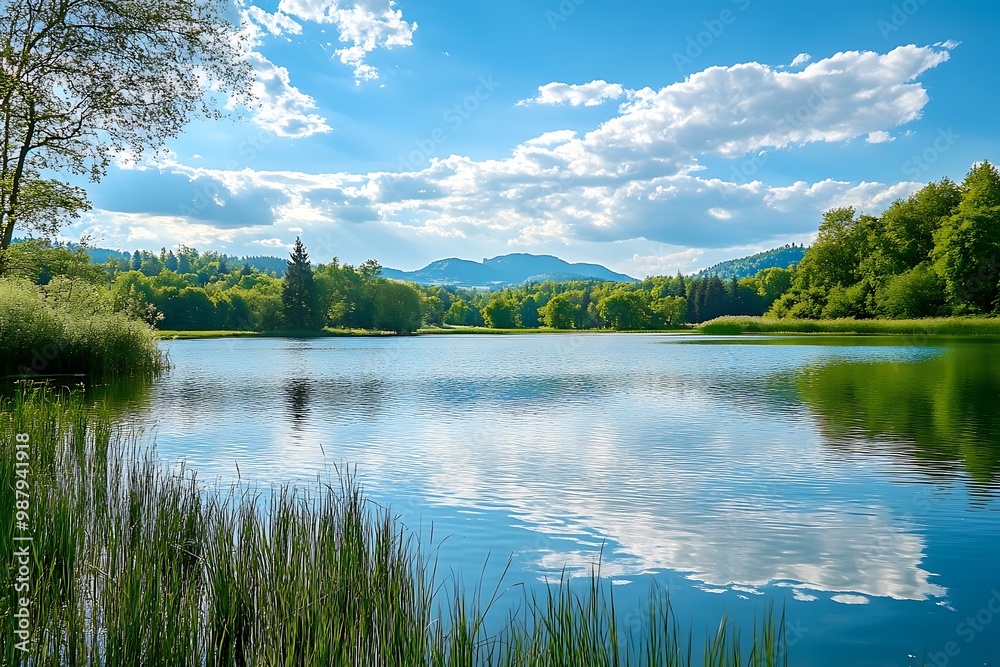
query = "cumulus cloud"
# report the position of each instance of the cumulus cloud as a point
(590, 94)
(637, 175)
(278, 105)
(281, 107)
(277, 24)
(364, 25)
(801, 59)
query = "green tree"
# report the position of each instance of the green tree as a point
(559, 312)
(397, 307)
(967, 246)
(83, 79)
(625, 310)
(500, 312)
(298, 294)
(528, 313)
(918, 292)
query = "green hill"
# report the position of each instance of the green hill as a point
(746, 267)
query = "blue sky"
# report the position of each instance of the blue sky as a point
(650, 137)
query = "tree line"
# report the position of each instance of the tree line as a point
(936, 253)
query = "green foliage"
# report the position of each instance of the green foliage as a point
(397, 306)
(71, 326)
(298, 292)
(559, 312)
(943, 326)
(936, 252)
(625, 310)
(917, 293)
(501, 312)
(967, 246)
(67, 109)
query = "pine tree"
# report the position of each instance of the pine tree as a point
(298, 293)
(136, 261)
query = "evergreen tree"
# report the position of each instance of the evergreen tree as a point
(298, 292)
(136, 261)
(171, 262)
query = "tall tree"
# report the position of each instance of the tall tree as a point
(967, 246)
(298, 292)
(83, 80)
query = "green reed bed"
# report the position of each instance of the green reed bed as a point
(948, 326)
(137, 563)
(71, 328)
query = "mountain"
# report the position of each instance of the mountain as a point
(745, 267)
(503, 271)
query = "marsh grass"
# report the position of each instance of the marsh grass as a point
(137, 563)
(948, 326)
(71, 331)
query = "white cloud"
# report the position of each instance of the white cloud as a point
(281, 107)
(365, 25)
(634, 177)
(277, 105)
(278, 23)
(879, 137)
(801, 59)
(588, 94)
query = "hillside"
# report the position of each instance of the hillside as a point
(746, 267)
(505, 270)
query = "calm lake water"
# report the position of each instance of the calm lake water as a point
(854, 481)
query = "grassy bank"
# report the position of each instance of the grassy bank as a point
(70, 329)
(949, 326)
(133, 563)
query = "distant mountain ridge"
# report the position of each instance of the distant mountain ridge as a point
(504, 270)
(746, 267)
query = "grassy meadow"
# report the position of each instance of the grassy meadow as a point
(137, 563)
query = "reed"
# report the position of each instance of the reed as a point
(136, 563)
(947, 326)
(54, 333)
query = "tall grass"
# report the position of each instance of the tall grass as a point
(134, 563)
(70, 327)
(949, 326)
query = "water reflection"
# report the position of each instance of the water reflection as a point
(932, 414)
(783, 464)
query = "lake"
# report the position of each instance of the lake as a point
(852, 481)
